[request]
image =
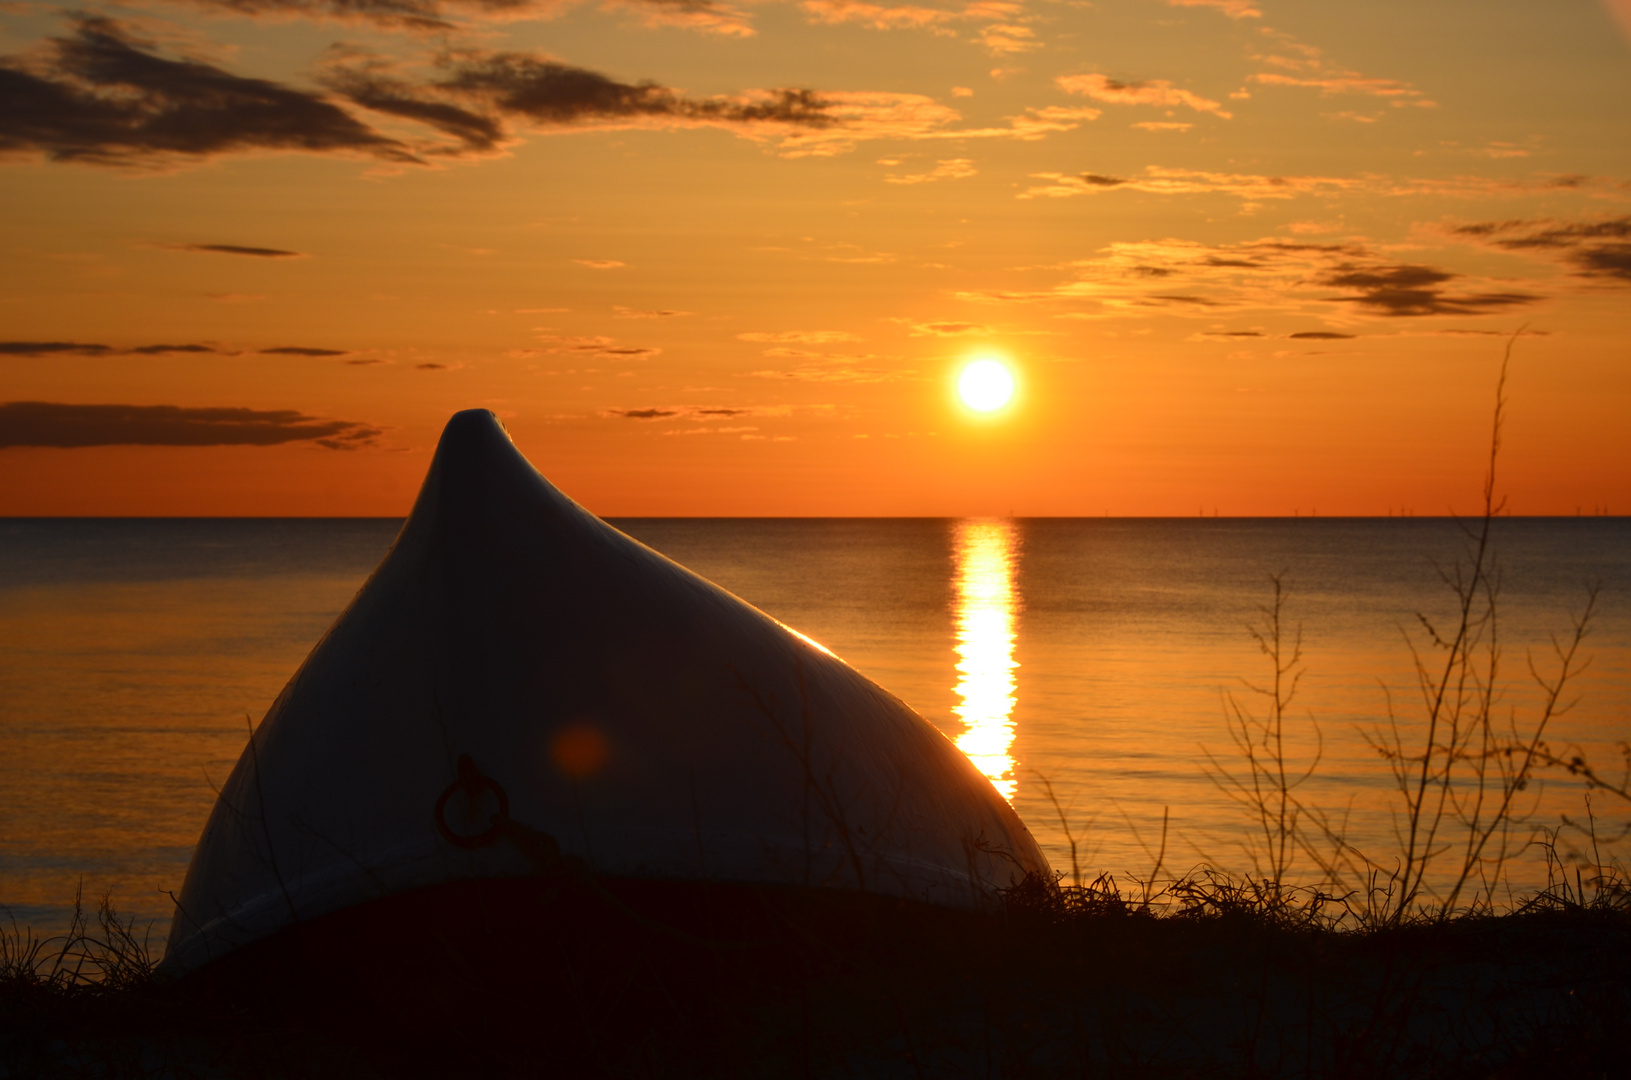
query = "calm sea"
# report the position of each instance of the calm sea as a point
(1092, 655)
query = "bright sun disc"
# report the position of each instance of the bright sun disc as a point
(985, 385)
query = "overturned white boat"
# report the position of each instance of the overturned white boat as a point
(518, 679)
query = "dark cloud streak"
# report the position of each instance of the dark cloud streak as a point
(42, 423)
(1406, 290)
(643, 414)
(100, 95)
(1596, 249)
(238, 249)
(474, 93)
(53, 348)
(172, 350)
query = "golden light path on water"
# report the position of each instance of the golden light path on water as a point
(987, 609)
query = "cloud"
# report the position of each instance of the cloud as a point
(948, 329)
(1005, 39)
(713, 431)
(1320, 335)
(474, 98)
(954, 169)
(600, 264)
(597, 346)
(41, 423)
(816, 373)
(622, 312)
(1405, 289)
(440, 16)
(1598, 249)
(803, 337)
(1157, 92)
(102, 96)
(693, 412)
(53, 348)
(641, 414)
(1161, 125)
(237, 249)
(303, 350)
(76, 348)
(1160, 180)
(1003, 31)
(1269, 276)
(878, 16)
(1235, 9)
(172, 350)
(1347, 83)
(1296, 64)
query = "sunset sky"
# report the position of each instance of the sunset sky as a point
(728, 258)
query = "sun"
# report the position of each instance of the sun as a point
(986, 385)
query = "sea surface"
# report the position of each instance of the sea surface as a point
(1086, 665)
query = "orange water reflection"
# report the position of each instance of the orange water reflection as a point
(987, 611)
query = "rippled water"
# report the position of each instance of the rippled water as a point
(1093, 654)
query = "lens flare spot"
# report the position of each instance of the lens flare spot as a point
(580, 751)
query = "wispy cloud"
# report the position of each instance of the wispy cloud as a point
(1157, 92)
(1160, 180)
(1334, 281)
(236, 249)
(441, 16)
(303, 350)
(1164, 181)
(803, 337)
(102, 95)
(477, 100)
(474, 96)
(1001, 28)
(54, 348)
(79, 348)
(638, 313)
(836, 373)
(954, 169)
(194, 349)
(1235, 9)
(1598, 249)
(947, 329)
(1292, 63)
(1405, 289)
(601, 264)
(42, 423)
(593, 345)
(693, 412)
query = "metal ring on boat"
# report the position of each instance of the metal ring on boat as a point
(472, 780)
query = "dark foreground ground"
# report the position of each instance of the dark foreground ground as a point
(593, 977)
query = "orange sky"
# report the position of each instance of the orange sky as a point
(720, 258)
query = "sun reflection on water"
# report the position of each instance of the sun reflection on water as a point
(987, 609)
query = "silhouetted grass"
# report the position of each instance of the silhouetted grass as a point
(1204, 975)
